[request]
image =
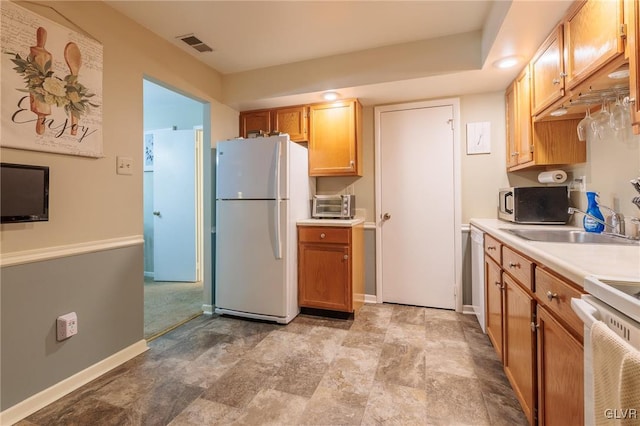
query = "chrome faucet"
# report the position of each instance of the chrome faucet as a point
(617, 220)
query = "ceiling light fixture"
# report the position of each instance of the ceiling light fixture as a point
(507, 62)
(330, 96)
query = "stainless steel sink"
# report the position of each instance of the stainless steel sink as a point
(567, 236)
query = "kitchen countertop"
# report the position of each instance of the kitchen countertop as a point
(331, 222)
(573, 261)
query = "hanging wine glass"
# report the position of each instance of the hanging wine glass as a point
(584, 126)
(600, 124)
(619, 118)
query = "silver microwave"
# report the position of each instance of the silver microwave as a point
(534, 204)
(334, 206)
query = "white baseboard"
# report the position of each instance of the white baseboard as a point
(208, 309)
(40, 400)
(468, 309)
(370, 298)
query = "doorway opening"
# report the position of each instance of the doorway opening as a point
(173, 209)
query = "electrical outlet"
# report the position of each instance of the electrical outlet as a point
(67, 326)
(124, 165)
(579, 184)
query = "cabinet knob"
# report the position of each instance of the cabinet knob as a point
(514, 265)
(551, 296)
(556, 81)
(157, 213)
(491, 248)
(534, 327)
(323, 235)
(497, 283)
(345, 257)
(386, 216)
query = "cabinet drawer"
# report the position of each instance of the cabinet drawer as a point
(492, 248)
(555, 294)
(519, 267)
(323, 234)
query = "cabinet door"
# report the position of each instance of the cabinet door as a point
(560, 374)
(591, 38)
(523, 113)
(519, 344)
(493, 303)
(252, 121)
(292, 121)
(547, 71)
(333, 140)
(633, 47)
(512, 125)
(324, 272)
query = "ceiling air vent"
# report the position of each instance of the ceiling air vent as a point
(195, 42)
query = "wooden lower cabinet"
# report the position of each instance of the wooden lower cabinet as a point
(330, 267)
(536, 335)
(560, 373)
(520, 344)
(493, 303)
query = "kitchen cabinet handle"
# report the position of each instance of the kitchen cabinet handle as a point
(497, 283)
(345, 257)
(386, 216)
(491, 248)
(323, 235)
(534, 327)
(556, 81)
(156, 213)
(551, 296)
(514, 265)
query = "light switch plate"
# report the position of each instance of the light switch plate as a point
(124, 165)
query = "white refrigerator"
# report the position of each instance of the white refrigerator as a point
(262, 189)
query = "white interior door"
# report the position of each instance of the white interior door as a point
(174, 205)
(416, 183)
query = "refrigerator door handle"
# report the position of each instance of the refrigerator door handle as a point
(276, 177)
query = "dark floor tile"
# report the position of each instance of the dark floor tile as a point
(408, 314)
(453, 399)
(402, 365)
(85, 411)
(241, 383)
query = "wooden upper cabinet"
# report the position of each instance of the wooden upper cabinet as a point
(592, 38)
(519, 130)
(335, 144)
(255, 121)
(512, 125)
(633, 48)
(291, 120)
(547, 72)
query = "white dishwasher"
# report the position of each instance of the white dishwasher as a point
(477, 274)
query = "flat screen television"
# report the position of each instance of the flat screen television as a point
(24, 193)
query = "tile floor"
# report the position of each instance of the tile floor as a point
(392, 364)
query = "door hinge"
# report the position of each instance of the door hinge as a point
(531, 148)
(534, 326)
(450, 121)
(623, 30)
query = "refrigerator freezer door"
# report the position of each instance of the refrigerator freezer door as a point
(249, 277)
(252, 168)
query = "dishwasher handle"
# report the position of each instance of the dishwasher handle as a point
(587, 313)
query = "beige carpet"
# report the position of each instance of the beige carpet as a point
(168, 304)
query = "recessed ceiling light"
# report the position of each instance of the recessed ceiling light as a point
(330, 96)
(507, 62)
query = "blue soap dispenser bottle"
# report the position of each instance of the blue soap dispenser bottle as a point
(589, 224)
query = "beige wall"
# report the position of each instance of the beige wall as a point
(88, 201)
(611, 164)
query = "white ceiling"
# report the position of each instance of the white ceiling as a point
(251, 35)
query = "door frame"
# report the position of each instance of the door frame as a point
(455, 104)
